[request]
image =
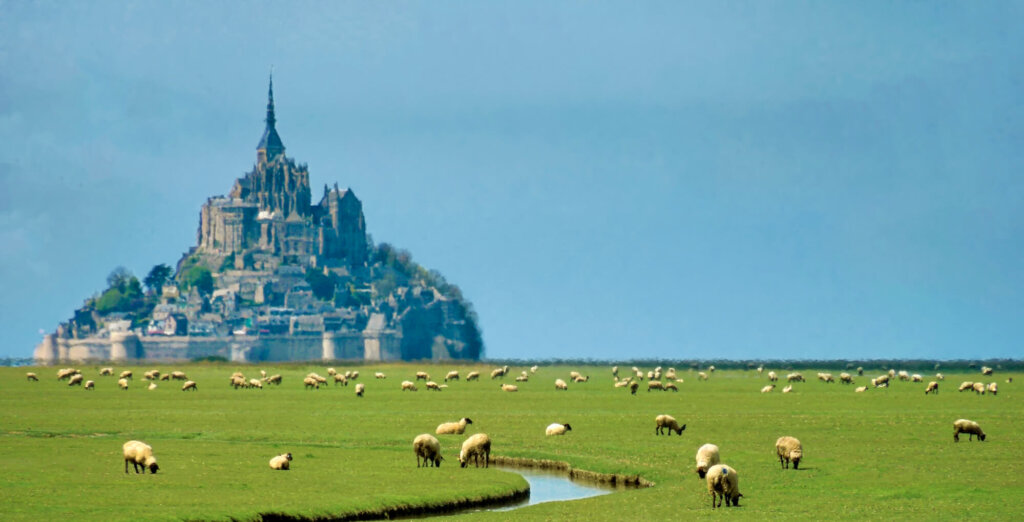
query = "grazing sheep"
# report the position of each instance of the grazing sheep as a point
(654, 385)
(985, 370)
(427, 447)
(452, 376)
(966, 385)
(31, 376)
(707, 456)
(969, 427)
(509, 387)
(152, 386)
(650, 375)
(789, 450)
(892, 373)
(760, 369)
(90, 385)
(380, 375)
(310, 382)
(282, 462)
(670, 386)
(255, 383)
(422, 376)
(795, 377)
(409, 385)
(165, 377)
(561, 385)
(615, 372)
(340, 379)
(122, 383)
(179, 376)
(475, 447)
(724, 483)
(860, 371)
(151, 375)
(772, 376)
(274, 379)
(127, 374)
(139, 454)
(825, 377)
(332, 372)
(581, 378)
(76, 380)
(107, 371)
(453, 428)
(667, 421)
(932, 387)
(711, 368)
(861, 389)
(534, 368)
(993, 388)
(940, 377)
(845, 378)
(472, 376)
(702, 376)
(916, 378)
(878, 381)
(787, 389)
(557, 429)
(670, 375)
(66, 373)
(353, 375)
(633, 386)
(574, 374)
(979, 388)
(191, 385)
(499, 372)
(768, 388)
(431, 385)
(903, 375)
(360, 389)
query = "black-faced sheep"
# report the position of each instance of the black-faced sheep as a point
(476, 447)
(428, 448)
(969, 427)
(453, 428)
(667, 421)
(789, 450)
(557, 429)
(281, 462)
(724, 483)
(140, 455)
(707, 456)
(932, 387)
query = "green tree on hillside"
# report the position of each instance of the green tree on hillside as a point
(157, 278)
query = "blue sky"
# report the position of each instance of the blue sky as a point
(606, 180)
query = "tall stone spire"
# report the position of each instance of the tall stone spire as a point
(270, 144)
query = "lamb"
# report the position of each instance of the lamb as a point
(789, 450)
(408, 385)
(724, 483)
(127, 374)
(380, 375)
(787, 389)
(667, 421)
(139, 454)
(282, 462)
(966, 385)
(422, 376)
(654, 385)
(122, 383)
(772, 376)
(431, 385)
(360, 389)
(427, 447)
(472, 376)
(932, 387)
(32, 376)
(861, 389)
(90, 385)
(191, 385)
(561, 385)
(768, 388)
(993, 388)
(452, 376)
(453, 428)
(557, 429)
(76, 380)
(475, 447)
(969, 427)
(509, 387)
(707, 456)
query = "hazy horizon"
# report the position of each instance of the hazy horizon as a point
(673, 181)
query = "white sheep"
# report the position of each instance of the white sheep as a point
(534, 368)
(498, 372)
(31, 376)
(993, 388)
(90, 385)
(274, 379)
(916, 378)
(667, 421)
(453, 428)
(281, 462)
(380, 375)
(702, 376)
(966, 385)
(787, 389)
(255, 383)
(408, 385)
(76, 380)
(772, 376)
(707, 456)
(561, 385)
(139, 454)
(452, 376)
(310, 382)
(353, 375)
(724, 483)
(979, 388)
(179, 376)
(969, 427)
(615, 372)
(523, 378)
(509, 387)
(340, 379)
(122, 383)
(66, 373)
(422, 376)
(620, 384)
(845, 378)
(789, 450)
(472, 376)
(932, 387)
(861, 389)
(557, 429)
(190, 385)
(107, 371)
(360, 389)
(939, 376)
(475, 447)
(654, 385)
(670, 386)
(151, 375)
(127, 374)
(428, 448)
(152, 386)
(711, 368)
(795, 377)
(768, 388)
(985, 370)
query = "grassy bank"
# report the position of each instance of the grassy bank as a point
(884, 453)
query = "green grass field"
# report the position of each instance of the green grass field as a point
(877, 455)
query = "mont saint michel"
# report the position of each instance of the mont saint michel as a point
(274, 277)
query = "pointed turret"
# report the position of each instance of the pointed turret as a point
(270, 144)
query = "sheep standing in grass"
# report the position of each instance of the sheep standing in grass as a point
(452, 376)
(107, 371)
(633, 386)
(557, 429)
(670, 386)
(475, 447)
(845, 378)
(966, 385)
(724, 483)
(772, 376)
(453, 428)
(509, 387)
(179, 376)
(274, 379)
(916, 378)
(985, 370)
(993, 388)
(789, 450)
(654, 385)
(127, 374)
(139, 454)
(31, 376)
(422, 376)
(380, 375)
(702, 376)
(310, 382)
(360, 389)
(340, 379)
(707, 456)
(122, 383)
(969, 427)
(191, 385)
(472, 376)
(534, 368)
(90, 385)
(795, 377)
(282, 462)
(499, 372)
(76, 380)
(66, 373)
(428, 448)
(932, 387)
(667, 421)
(979, 388)
(408, 385)
(561, 385)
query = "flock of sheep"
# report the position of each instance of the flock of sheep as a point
(722, 480)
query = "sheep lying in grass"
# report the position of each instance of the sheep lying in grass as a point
(523, 377)
(707, 456)
(281, 462)
(622, 384)
(509, 387)
(476, 447)
(152, 386)
(139, 454)
(768, 388)
(789, 450)
(191, 385)
(31, 376)
(472, 376)
(409, 385)
(360, 389)
(453, 428)
(724, 483)
(787, 389)
(561, 385)
(557, 429)
(932, 387)
(122, 383)
(861, 389)
(667, 421)
(428, 448)
(969, 427)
